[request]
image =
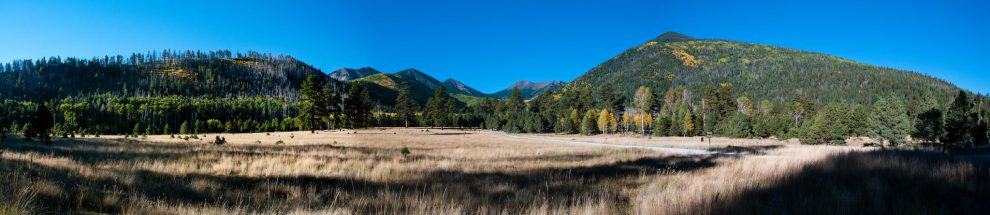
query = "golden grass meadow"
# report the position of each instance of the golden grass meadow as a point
(478, 172)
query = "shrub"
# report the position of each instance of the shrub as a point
(220, 140)
(279, 142)
(405, 151)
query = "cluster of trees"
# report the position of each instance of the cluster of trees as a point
(109, 114)
(324, 107)
(719, 112)
(761, 72)
(156, 74)
(646, 91)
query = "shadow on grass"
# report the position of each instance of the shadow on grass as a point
(877, 182)
(492, 190)
(755, 150)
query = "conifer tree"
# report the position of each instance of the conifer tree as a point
(184, 128)
(889, 121)
(589, 123)
(313, 101)
(957, 121)
(42, 123)
(930, 126)
(405, 106)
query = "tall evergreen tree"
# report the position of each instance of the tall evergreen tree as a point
(184, 128)
(930, 126)
(405, 106)
(515, 103)
(889, 121)
(589, 123)
(331, 105)
(356, 105)
(957, 121)
(42, 123)
(313, 101)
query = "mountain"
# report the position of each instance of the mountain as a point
(422, 86)
(347, 74)
(456, 87)
(157, 74)
(413, 75)
(384, 88)
(528, 89)
(778, 74)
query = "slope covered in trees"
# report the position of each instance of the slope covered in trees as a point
(156, 74)
(760, 72)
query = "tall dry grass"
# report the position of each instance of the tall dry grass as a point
(448, 172)
(474, 172)
(826, 180)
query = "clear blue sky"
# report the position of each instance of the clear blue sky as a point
(491, 44)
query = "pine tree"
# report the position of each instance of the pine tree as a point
(331, 105)
(42, 123)
(957, 121)
(313, 101)
(184, 128)
(589, 123)
(515, 103)
(437, 108)
(137, 130)
(405, 106)
(575, 119)
(355, 105)
(889, 121)
(930, 126)
(826, 127)
(980, 128)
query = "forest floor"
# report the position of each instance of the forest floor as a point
(453, 171)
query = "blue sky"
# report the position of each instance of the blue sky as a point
(491, 44)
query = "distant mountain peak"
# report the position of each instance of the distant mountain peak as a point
(525, 84)
(456, 86)
(529, 89)
(418, 76)
(347, 74)
(671, 36)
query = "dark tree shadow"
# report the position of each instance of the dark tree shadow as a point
(754, 150)
(878, 182)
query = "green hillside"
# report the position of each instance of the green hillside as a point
(758, 71)
(384, 88)
(168, 73)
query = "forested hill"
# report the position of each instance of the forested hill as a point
(157, 74)
(759, 72)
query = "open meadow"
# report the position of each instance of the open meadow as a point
(477, 172)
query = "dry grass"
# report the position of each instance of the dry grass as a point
(463, 172)
(448, 171)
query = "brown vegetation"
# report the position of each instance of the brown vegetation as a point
(471, 172)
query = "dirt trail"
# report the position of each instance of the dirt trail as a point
(673, 150)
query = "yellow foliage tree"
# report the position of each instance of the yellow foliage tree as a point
(603, 121)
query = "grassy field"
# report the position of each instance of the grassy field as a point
(477, 172)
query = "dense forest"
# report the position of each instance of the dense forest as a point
(673, 85)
